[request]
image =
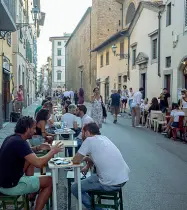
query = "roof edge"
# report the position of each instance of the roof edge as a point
(111, 39)
(78, 25)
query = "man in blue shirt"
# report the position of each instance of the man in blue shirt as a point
(115, 104)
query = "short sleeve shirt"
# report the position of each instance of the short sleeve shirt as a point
(166, 96)
(115, 99)
(110, 165)
(12, 160)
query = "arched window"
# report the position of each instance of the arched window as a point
(130, 13)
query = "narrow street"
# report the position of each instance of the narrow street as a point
(158, 166)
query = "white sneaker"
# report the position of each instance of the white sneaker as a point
(139, 126)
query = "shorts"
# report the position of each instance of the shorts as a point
(115, 109)
(26, 185)
(175, 125)
(124, 101)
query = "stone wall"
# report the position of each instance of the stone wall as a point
(100, 22)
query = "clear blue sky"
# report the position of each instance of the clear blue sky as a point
(61, 16)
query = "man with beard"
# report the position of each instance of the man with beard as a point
(112, 170)
(17, 160)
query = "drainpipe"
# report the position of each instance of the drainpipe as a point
(159, 41)
(90, 74)
(128, 71)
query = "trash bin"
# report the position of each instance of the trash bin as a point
(14, 116)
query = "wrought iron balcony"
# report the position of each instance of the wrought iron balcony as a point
(8, 15)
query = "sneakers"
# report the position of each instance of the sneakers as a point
(139, 126)
(115, 121)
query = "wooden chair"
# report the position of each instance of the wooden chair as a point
(70, 179)
(180, 128)
(97, 196)
(19, 202)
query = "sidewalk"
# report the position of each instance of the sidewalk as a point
(9, 128)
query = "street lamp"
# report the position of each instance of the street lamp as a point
(114, 47)
(35, 12)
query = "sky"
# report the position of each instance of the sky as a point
(61, 16)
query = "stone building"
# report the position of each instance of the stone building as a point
(99, 22)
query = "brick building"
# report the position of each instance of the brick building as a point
(99, 22)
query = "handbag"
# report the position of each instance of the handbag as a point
(103, 108)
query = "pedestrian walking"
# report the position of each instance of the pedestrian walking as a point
(115, 104)
(76, 97)
(81, 96)
(20, 99)
(131, 95)
(124, 97)
(97, 110)
(136, 108)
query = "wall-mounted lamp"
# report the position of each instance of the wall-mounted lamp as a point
(114, 47)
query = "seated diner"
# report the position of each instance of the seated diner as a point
(174, 118)
(17, 160)
(112, 170)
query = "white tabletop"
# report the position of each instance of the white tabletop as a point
(66, 143)
(53, 166)
(62, 131)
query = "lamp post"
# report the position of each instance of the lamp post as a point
(35, 12)
(114, 47)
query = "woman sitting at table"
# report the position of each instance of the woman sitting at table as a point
(174, 118)
(51, 120)
(154, 105)
(41, 134)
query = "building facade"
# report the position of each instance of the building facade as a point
(99, 22)
(8, 25)
(173, 47)
(58, 61)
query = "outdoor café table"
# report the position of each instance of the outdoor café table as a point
(67, 143)
(59, 132)
(77, 175)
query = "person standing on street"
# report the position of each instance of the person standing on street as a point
(20, 98)
(115, 104)
(81, 96)
(124, 97)
(136, 107)
(97, 111)
(76, 97)
(131, 95)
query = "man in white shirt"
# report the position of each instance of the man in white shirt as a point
(66, 94)
(85, 119)
(112, 170)
(136, 107)
(71, 95)
(69, 117)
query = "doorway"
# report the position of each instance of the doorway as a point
(107, 84)
(6, 96)
(143, 84)
(168, 82)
